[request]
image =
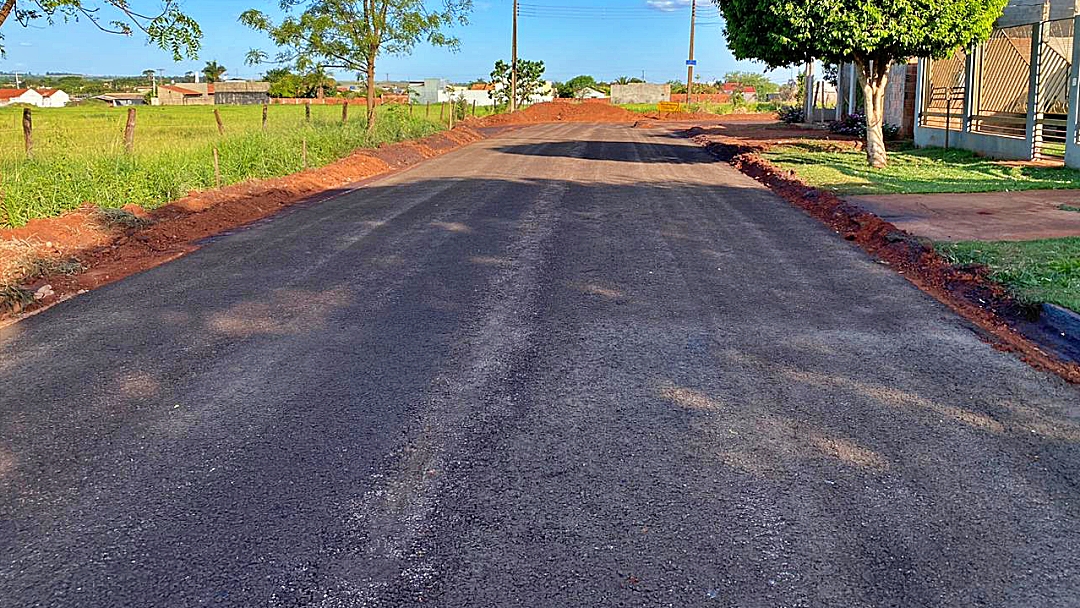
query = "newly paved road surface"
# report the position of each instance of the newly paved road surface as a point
(568, 366)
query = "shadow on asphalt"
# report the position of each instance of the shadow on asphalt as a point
(238, 401)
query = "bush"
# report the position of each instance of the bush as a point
(855, 125)
(791, 114)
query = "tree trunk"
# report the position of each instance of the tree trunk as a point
(371, 95)
(5, 10)
(875, 79)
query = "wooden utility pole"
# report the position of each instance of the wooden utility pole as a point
(28, 131)
(690, 61)
(129, 132)
(513, 63)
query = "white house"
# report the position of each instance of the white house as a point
(41, 98)
(53, 98)
(590, 93)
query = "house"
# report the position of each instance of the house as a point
(186, 94)
(118, 100)
(731, 88)
(240, 93)
(230, 92)
(591, 93)
(41, 98)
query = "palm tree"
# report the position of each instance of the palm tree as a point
(149, 74)
(213, 71)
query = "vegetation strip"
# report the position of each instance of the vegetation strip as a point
(110, 245)
(966, 290)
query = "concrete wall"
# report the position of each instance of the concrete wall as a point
(640, 93)
(992, 146)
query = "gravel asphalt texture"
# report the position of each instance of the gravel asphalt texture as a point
(571, 365)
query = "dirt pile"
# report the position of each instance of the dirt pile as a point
(562, 112)
(93, 247)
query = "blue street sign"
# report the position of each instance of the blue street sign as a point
(691, 62)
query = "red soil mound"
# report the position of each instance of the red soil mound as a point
(562, 112)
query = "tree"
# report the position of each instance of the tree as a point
(149, 74)
(760, 82)
(285, 83)
(353, 34)
(575, 87)
(871, 35)
(170, 28)
(530, 76)
(628, 80)
(213, 71)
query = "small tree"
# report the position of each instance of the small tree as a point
(871, 35)
(352, 34)
(530, 81)
(213, 71)
(576, 86)
(169, 28)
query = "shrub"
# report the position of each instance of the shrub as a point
(791, 114)
(855, 126)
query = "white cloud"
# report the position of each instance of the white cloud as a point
(667, 5)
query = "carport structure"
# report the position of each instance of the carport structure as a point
(1012, 97)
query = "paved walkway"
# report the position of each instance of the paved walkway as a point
(993, 216)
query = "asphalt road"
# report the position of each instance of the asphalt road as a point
(568, 366)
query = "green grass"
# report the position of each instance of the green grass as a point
(1034, 271)
(915, 171)
(79, 155)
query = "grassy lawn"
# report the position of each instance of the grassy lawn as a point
(79, 154)
(915, 171)
(1035, 271)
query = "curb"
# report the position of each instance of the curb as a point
(1064, 321)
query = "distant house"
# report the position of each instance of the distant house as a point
(42, 98)
(186, 94)
(241, 93)
(231, 92)
(118, 100)
(731, 88)
(591, 93)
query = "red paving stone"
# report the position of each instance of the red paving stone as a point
(992, 216)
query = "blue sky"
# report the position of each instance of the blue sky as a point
(604, 38)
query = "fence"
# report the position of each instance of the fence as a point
(1010, 97)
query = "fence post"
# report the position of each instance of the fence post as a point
(1034, 116)
(442, 108)
(217, 169)
(474, 108)
(1072, 137)
(266, 110)
(303, 152)
(307, 111)
(129, 131)
(427, 110)
(345, 112)
(220, 125)
(28, 132)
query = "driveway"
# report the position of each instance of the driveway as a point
(571, 365)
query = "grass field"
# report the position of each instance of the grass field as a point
(1035, 271)
(916, 171)
(79, 152)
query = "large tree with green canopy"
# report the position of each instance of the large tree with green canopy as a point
(873, 35)
(352, 34)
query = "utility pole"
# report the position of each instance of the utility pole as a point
(513, 63)
(690, 62)
(17, 80)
